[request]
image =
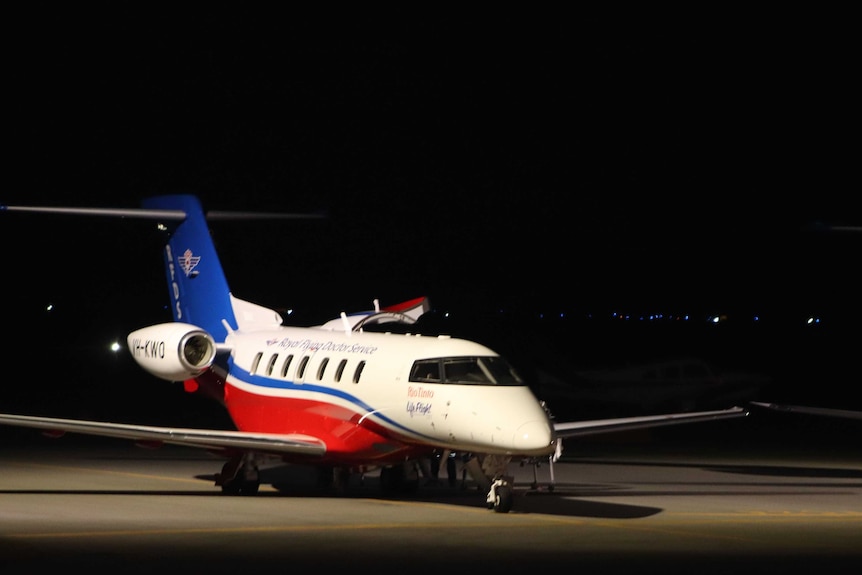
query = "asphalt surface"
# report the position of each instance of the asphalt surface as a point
(777, 493)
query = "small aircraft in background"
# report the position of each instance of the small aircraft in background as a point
(341, 396)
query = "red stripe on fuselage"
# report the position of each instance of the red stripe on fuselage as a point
(347, 440)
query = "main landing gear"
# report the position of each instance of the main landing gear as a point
(239, 476)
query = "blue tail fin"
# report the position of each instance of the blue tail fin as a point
(197, 286)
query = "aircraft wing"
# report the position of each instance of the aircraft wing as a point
(825, 411)
(212, 439)
(596, 426)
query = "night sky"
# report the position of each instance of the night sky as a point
(530, 173)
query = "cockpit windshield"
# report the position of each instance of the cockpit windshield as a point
(475, 370)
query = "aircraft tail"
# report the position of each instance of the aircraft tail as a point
(197, 287)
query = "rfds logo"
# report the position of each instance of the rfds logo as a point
(188, 262)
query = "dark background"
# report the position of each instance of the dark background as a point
(534, 174)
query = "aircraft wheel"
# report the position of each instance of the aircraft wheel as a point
(249, 488)
(504, 497)
(240, 487)
(231, 488)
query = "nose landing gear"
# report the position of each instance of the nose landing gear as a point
(501, 496)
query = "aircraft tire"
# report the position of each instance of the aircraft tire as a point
(231, 488)
(249, 488)
(504, 497)
(239, 487)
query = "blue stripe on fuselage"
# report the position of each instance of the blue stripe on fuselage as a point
(263, 381)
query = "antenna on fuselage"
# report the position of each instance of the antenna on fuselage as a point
(347, 328)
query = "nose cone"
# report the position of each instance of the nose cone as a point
(534, 438)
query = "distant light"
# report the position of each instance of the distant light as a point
(115, 347)
(813, 320)
(50, 307)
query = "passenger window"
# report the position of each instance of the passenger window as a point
(255, 363)
(358, 373)
(271, 364)
(300, 371)
(286, 365)
(340, 370)
(322, 368)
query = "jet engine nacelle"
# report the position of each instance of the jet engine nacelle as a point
(173, 351)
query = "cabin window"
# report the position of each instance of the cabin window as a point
(255, 363)
(358, 373)
(271, 364)
(484, 370)
(426, 370)
(322, 368)
(300, 371)
(341, 365)
(465, 370)
(286, 365)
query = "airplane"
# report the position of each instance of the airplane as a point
(351, 395)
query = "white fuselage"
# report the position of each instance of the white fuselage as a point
(354, 390)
